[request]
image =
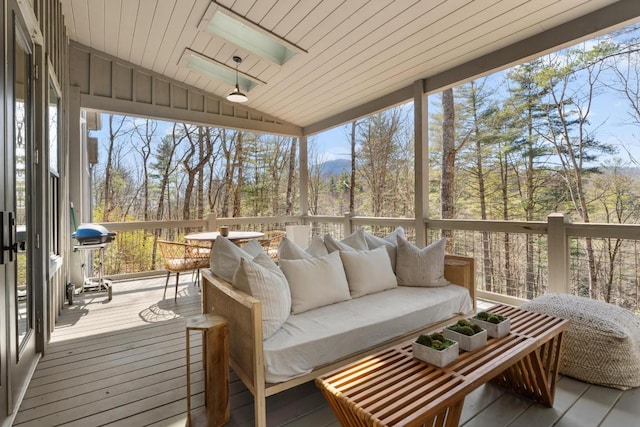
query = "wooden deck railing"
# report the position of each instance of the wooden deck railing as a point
(516, 260)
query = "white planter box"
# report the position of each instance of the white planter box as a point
(468, 343)
(496, 330)
(437, 358)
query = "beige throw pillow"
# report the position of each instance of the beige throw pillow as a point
(315, 282)
(368, 271)
(420, 267)
(270, 287)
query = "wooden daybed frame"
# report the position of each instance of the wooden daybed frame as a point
(244, 318)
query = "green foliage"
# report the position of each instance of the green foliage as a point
(487, 316)
(435, 341)
(465, 327)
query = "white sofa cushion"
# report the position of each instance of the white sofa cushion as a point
(368, 271)
(259, 279)
(323, 335)
(315, 282)
(420, 267)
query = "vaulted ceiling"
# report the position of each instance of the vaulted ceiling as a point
(357, 55)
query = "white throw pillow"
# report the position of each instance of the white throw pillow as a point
(317, 247)
(315, 282)
(420, 267)
(270, 287)
(253, 247)
(368, 271)
(289, 250)
(390, 241)
(225, 258)
(353, 242)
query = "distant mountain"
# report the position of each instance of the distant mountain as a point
(335, 167)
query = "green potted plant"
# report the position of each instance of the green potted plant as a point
(435, 349)
(497, 326)
(469, 336)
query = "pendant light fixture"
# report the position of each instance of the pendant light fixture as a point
(236, 95)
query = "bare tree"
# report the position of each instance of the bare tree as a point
(291, 179)
(114, 151)
(196, 158)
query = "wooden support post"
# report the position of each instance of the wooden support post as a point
(212, 222)
(215, 357)
(558, 254)
(421, 147)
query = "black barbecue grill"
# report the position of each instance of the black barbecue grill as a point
(92, 237)
(93, 234)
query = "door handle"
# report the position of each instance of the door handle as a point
(12, 247)
(2, 238)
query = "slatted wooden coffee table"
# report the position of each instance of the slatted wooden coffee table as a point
(393, 388)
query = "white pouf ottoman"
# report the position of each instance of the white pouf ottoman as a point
(602, 343)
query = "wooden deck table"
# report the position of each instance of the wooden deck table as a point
(391, 388)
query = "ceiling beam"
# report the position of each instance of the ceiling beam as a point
(109, 84)
(616, 15)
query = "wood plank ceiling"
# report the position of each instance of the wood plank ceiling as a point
(357, 50)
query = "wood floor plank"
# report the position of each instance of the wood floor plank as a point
(501, 412)
(109, 367)
(592, 407)
(139, 409)
(114, 408)
(89, 396)
(626, 411)
(568, 392)
(322, 416)
(59, 353)
(110, 354)
(479, 399)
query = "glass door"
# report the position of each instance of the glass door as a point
(18, 189)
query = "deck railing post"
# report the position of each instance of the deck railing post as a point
(212, 222)
(348, 223)
(558, 254)
(421, 166)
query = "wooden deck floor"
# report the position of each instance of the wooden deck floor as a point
(122, 363)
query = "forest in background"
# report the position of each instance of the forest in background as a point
(516, 146)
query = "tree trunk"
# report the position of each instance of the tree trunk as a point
(292, 177)
(237, 207)
(447, 188)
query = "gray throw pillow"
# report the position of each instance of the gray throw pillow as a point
(225, 258)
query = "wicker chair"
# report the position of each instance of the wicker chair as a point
(181, 257)
(271, 241)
